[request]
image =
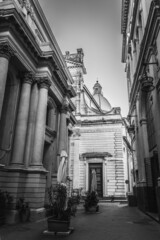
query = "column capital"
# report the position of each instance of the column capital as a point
(28, 77)
(65, 105)
(43, 82)
(6, 51)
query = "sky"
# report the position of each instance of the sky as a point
(94, 26)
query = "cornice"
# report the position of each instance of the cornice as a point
(124, 22)
(73, 119)
(124, 15)
(49, 32)
(95, 155)
(97, 122)
(71, 91)
(75, 65)
(72, 107)
(13, 20)
(50, 133)
(134, 18)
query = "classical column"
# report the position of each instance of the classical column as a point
(38, 145)
(31, 124)
(5, 53)
(63, 135)
(144, 137)
(22, 120)
(76, 158)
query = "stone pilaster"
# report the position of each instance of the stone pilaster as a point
(158, 196)
(5, 53)
(76, 135)
(144, 137)
(38, 145)
(63, 132)
(22, 120)
(31, 124)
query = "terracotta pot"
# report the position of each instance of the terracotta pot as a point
(55, 225)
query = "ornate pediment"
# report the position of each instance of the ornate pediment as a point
(95, 155)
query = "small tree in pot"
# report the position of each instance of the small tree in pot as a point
(61, 208)
(91, 202)
(61, 205)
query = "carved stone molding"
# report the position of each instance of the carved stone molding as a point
(28, 77)
(6, 51)
(102, 155)
(44, 82)
(65, 105)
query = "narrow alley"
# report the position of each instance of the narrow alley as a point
(114, 222)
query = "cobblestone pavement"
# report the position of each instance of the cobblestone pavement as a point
(114, 222)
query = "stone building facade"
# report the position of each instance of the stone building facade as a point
(141, 55)
(97, 139)
(36, 111)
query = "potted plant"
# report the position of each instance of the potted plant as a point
(5, 201)
(91, 202)
(23, 209)
(61, 209)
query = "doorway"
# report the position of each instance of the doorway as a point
(98, 169)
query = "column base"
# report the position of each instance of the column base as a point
(37, 167)
(29, 184)
(12, 216)
(37, 214)
(15, 166)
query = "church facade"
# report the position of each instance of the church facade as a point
(36, 111)
(97, 140)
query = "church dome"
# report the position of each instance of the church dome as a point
(100, 99)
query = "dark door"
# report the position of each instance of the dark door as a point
(155, 175)
(152, 173)
(98, 169)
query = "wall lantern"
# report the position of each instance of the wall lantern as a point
(145, 80)
(131, 129)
